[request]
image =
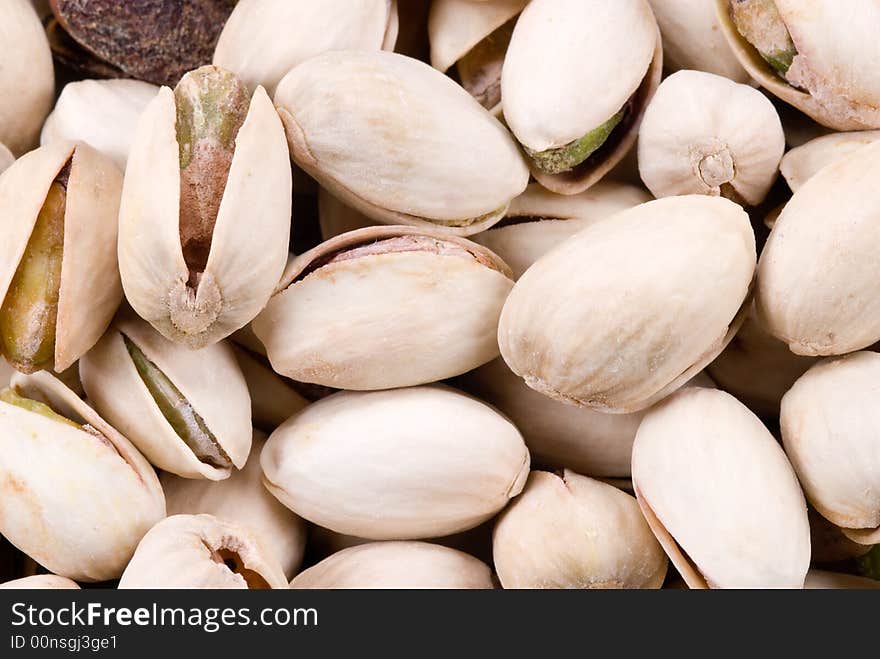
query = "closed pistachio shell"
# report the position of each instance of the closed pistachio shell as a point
(442, 161)
(704, 134)
(6, 158)
(720, 495)
(400, 464)
(202, 551)
(369, 309)
(40, 582)
(822, 580)
(263, 40)
(273, 399)
(633, 306)
(162, 396)
(396, 565)
(801, 163)
(831, 431)
(77, 495)
(570, 531)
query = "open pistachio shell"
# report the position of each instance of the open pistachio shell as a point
(633, 306)
(40, 582)
(263, 40)
(385, 307)
(6, 158)
(802, 163)
(720, 495)
(704, 134)
(161, 395)
(239, 209)
(77, 496)
(401, 464)
(59, 279)
(273, 398)
(396, 565)
(577, 77)
(822, 580)
(202, 551)
(440, 159)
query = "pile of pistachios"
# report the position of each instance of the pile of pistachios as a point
(440, 294)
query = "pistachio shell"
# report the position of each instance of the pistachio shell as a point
(396, 565)
(633, 306)
(76, 502)
(802, 163)
(40, 582)
(119, 392)
(822, 580)
(704, 134)
(6, 158)
(263, 40)
(202, 551)
(831, 431)
(273, 399)
(407, 463)
(442, 161)
(720, 495)
(376, 321)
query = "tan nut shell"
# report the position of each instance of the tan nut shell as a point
(720, 495)
(90, 289)
(264, 39)
(441, 158)
(115, 388)
(75, 504)
(6, 158)
(704, 134)
(176, 553)
(802, 163)
(401, 464)
(817, 275)
(273, 400)
(40, 582)
(396, 565)
(831, 431)
(822, 580)
(571, 531)
(250, 240)
(385, 320)
(634, 306)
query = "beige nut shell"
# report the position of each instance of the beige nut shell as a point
(40, 582)
(802, 163)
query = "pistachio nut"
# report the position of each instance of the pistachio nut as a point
(439, 160)
(830, 424)
(705, 134)
(101, 113)
(816, 277)
(822, 580)
(76, 495)
(396, 565)
(828, 543)
(803, 162)
(812, 59)
(59, 279)
(40, 582)
(273, 399)
(401, 464)
(162, 396)
(570, 531)
(469, 41)
(264, 39)
(202, 551)
(577, 77)
(538, 220)
(368, 309)
(6, 158)
(204, 225)
(719, 494)
(633, 306)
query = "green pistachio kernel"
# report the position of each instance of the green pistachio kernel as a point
(9, 396)
(563, 159)
(759, 23)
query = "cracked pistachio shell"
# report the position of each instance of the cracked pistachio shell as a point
(27, 77)
(704, 134)
(249, 242)
(118, 391)
(538, 220)
(101, 113)
(264, 39)
(440, 159)
(90, 290)
(202, 551)
(76, 503)
(822, 580)
(831, 79)
(570, 531)
(40, 582)
(396, 565)
(817, 275)
(802, 163)
(830, 426)
(720, 495)
(242, 498)
(571, 66)
(273, 399)
(379, 319)
(6, 158)
(633, 306)
(401, 464)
